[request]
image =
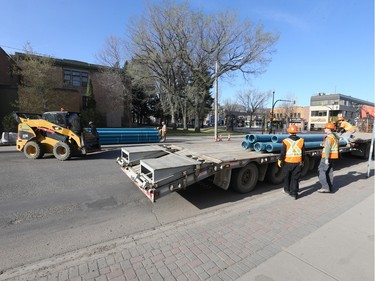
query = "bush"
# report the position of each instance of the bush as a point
(88, 115)
(9, 123)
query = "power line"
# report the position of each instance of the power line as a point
(13, 48)
(22, 50)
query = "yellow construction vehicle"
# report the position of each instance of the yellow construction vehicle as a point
(57, 132)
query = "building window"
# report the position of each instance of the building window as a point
(84, 78)
(67, 77)
(74, 78)
(318, 113)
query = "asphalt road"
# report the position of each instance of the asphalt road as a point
(49, 207)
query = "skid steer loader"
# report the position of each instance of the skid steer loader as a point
(54, 132)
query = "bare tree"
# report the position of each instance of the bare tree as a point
(288, 107)
(154, 45)
(252, 101)
(230, 107)
(113, 79)
(112, 54)
(176, 43)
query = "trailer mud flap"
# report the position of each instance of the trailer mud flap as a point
(222, 178)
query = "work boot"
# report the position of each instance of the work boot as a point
(295, 196)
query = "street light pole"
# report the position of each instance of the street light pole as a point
(216, 99)
(217, 94)
(273, 106)
(273, 97)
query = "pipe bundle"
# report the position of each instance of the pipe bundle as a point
(128, 135)
(273, 143)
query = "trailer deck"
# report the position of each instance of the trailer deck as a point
(164, 168)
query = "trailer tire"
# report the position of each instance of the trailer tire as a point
(274, 175)
(33, 150)
(306, 166)
(313, 161)
(244, 179)
(366, 152)
(62, 151)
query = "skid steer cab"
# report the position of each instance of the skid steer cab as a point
(56, 132)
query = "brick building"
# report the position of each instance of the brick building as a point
(297, 115)
(8, 85)
(72, 81)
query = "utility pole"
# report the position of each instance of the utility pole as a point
(271, 121)
(216, 100)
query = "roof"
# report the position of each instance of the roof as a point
(65, 62)
(367, 110)
(323, 97)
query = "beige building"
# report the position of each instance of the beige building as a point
(326, 108)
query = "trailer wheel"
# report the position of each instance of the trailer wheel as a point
(274, 175)
(33, 150)
(313, 161)
(306, 166)
(62, 151)
(366, 152)
(245, 179)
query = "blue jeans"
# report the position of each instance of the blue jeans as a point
(347, 136)
(326, 174)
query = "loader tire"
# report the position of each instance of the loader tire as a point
(244, 179)
(33, 150)
(62, 151)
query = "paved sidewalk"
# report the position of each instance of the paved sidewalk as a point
(343, 249)
(317, 237)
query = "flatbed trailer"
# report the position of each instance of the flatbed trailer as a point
(160, 169)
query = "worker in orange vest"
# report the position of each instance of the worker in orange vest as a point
(346, 130)
(329, 154)
(292, 158)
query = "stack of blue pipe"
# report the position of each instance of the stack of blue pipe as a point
(128, 135)
(273, 143)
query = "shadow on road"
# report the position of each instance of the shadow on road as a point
(205, 194)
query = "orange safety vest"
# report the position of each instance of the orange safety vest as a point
(293, 150)
(334, 153)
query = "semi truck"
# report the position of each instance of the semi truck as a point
(161, 169)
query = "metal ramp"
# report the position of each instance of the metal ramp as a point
(168, 166)
(133, 154)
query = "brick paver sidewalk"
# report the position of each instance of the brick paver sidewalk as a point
(222, 245)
